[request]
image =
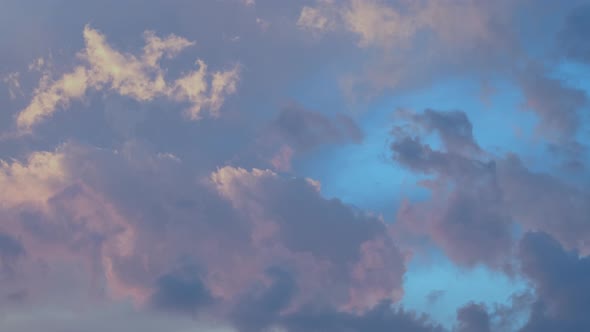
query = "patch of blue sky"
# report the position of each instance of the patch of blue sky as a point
(363, 174)
(459, 287)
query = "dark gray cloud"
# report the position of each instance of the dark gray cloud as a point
(182, 291)
(473, 317)
(560, 279)
(416, 155)
(382, 318)
(10, 247)
(306, 129)
(572, 39)
(261, 308)
(453, 127)
(465, 216)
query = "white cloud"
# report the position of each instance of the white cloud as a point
(34, 181)
(141, 78)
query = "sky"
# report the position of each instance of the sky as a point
(295, 166)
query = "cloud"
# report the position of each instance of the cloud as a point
(466, 215)
(473, 318)
(140, 78)
(362, 256)
(541, 201)
(304, 129)
(50, 95)
(559, 278)
(409, 44)
(476, 203)
(114, 317)
(378, 24)
(453, 127)
(318, 19)
(33, 182)
(380, 319)
(435, 295)
(295, 131)
(10, 250)
(234, 228)
(182, 291)
(557, 105)
(571, 38)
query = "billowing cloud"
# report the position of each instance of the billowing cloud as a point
(131, 236)
(140, 78)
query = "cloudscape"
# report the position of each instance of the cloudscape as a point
(295, 166)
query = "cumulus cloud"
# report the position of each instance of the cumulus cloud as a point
(144, 238)
(141, 78)
(362, 255)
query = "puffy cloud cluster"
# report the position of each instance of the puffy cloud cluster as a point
(138, 77)
(477, 198)
(208, 246)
